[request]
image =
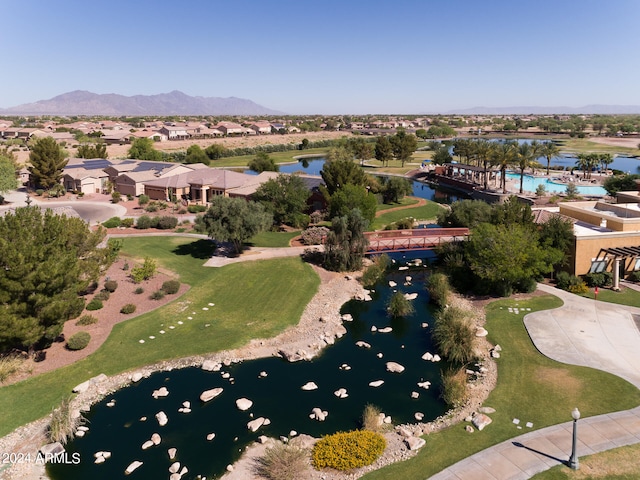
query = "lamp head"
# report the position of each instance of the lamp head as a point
(575, 413)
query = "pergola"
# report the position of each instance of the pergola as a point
(471, 173)
(619, 255)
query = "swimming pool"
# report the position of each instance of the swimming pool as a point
(530, 184)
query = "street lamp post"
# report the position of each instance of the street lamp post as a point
(573, 461)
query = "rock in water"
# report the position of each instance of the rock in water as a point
(210, 394)
(162, 418)
(376, 383)
(244, 404)
(309, 386)
(254, 425)
(394, 367)
(132, 466)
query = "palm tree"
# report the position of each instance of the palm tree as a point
(525, 157)
(549, 150)
(605, 160)
(482, 152)
(502, 156)
(586, 161)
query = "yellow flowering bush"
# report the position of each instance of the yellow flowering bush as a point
(347, 450)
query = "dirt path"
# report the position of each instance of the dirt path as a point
(421, 202)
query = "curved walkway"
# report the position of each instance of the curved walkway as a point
(421, 202)
(581, 332)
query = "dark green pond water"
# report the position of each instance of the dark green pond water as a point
(118, 429)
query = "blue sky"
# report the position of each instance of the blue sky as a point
(331, 56)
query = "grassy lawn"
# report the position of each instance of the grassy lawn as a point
(626, 296)
(405, 202)
(273, 239)
(252, 300)
(530, 387)
(617, 464)
(425, 212)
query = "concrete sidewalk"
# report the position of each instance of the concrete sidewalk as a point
(581, 332)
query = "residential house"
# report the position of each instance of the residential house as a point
(261, 127)
(230, 128)
(175, 132)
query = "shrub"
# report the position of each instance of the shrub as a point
(80, 194)
(139, 291)
(127, 222)
(157, 295)
(9, 365)
(314, 235)
(196, 208)
(579, 288)
(405, 223)
(86, 320)
(128, 308)
(116, 197)
(371, 418)
(39, 192)
(565, 280)
(347, 450)
(170, 287)
(182, 211)
(143, 200)
(283, 462)
(125, 267)
(167, 223)
(439, 289)
(94, 304)
(113, 222)
(110, 285)
(316, 216)
(64, 423)
(454, 335)
(541, 190)
(454, 387)
(129, 197)
(102, 295)
(398, 306)
(144, 222)
(376, 270)
(634, 276)
(78, 341)
(598, 279)
(144, 272)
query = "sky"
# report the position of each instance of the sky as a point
(328, 56)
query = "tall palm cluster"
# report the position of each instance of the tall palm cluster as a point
(587, 162)
(504, 155)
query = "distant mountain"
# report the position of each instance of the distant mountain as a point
(588, 109)
(81, 102)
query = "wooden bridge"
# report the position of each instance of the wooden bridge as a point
(416, 239)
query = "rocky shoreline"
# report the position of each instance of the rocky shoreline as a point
(320, 325)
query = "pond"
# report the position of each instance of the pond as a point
(278, 396)
(313, 166)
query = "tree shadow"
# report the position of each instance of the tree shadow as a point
(202, 249)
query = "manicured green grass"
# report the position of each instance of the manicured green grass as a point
(278, 157)
(617, 464)
(425, 212)
(626, 296)
(273, 239)
(405, 202)
(255, 299)
(530, 387)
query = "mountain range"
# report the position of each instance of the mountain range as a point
(587, 109)
(80, 102)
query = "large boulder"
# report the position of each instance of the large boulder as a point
(318, 414)
(84, 386)
(254, 425)
(161, 392)
(362, 344)
(243, 404)
(376, 383)
(132, 466)
(211, 366)
(309, 386)
(480, 420)
(208, 395)
(51, 449)
(162, 418)
(414, 443)
(394, 367)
